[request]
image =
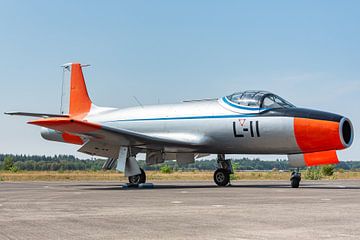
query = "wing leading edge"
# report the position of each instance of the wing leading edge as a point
(42, 115)
(110, 135)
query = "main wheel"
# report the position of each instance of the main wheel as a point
(295, 180)
(137, 179)
(221, 177)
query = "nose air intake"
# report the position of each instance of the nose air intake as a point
(314, 135)
(346, 132)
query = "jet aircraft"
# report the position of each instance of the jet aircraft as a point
(247, 122)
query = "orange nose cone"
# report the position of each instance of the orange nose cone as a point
(314, 135)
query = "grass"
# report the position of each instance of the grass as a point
(151, 175)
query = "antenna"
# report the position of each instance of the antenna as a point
(66, 68)
(137, 100)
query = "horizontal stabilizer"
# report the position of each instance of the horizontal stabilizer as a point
(67, 125)
(42, 115)
(313, 159)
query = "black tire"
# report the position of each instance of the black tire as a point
(221, 177)
(137, 179)
(295, 182)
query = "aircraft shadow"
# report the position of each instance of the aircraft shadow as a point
(103, 187)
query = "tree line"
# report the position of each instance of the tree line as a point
(68, 162)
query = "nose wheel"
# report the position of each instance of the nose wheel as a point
(221, 177)
(222, 174)
(295, 179)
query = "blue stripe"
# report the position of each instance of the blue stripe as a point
(184, 118)
(241, 107)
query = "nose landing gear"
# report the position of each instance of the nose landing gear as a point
(221, 177)
(295, 179)
(222, 174)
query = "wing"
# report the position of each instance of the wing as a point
(43, 115)
(118, 137)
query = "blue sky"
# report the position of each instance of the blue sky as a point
(167, 51)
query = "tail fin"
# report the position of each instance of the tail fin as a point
(79, 101)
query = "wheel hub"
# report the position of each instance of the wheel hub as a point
(135, 179)
(220, 177)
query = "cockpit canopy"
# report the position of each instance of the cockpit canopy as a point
(259, 99)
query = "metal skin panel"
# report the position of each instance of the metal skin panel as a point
(154, 157)
(206, 126)
(123, 154)
(51, 135)
(296, 160)
(132, 167)
(102, 149)
(64, 137)
(185, 158)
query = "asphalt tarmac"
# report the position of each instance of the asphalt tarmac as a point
(180, 210)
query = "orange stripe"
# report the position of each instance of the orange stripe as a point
(319, 158)
(69, 138)
(317, 135)
(67, 125)
(80, 102)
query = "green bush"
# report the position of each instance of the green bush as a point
(236, 166)
(165, 169)
(233, 177)
(327, 170)
(312, 173)
(13, 169)
(8, 163)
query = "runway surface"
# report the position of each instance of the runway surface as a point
(180, 210)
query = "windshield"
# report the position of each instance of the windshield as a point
(259, 99)
(247, 98)
(273, 101)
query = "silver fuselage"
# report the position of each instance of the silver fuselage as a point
(207, 127)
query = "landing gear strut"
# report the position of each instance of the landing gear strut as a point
(137, 179)
(222, 174)
(295, 178)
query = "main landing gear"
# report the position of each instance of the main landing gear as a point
(295, 178)
(222, 174)
(137, 179)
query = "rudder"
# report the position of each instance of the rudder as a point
(79, 103)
